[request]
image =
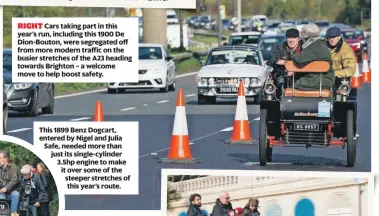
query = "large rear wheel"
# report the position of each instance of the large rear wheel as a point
(350, 134)
(265, 152)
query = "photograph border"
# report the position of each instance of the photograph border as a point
(311, 174)
(44, 158)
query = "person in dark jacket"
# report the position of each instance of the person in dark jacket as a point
(251, 208)
(46, 180)
(223, 206)
(30, 180)
(195, 204)
(9, 174)
(282, 53)
(314, 49)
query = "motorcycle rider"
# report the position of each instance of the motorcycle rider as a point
(281, 53)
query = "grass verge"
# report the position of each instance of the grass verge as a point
(205, 39)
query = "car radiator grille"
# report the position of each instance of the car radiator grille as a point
(307, 137)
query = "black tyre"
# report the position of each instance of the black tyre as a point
(350, 134)
(50, 108)
(5, 120)
(33, 111)
(258, 98)
(112, 91)
(172, 87)
(263, 144)
(165, 89)
(201, 99)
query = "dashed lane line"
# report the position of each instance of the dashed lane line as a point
(19, 130)
(129, 108)
(163, 101)
(80, 119)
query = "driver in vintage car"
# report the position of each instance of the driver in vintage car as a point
(281, 53)
(314, 49)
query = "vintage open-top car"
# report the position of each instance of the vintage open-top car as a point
(310, 118)
(225, 67)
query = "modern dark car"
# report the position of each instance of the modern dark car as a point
(267, 44)
(26, 97)
(5, 109)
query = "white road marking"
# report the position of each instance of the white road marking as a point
(227, 129)
(79, 119)
(257, 119)
(103, 90)
(145, 105)
(191, 143)
(163, 101)
(190, 95)
(268, 164)
(19, 130)
(129, 108)
(156, 153)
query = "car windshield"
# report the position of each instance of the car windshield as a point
(233, 57)
(267, 45)
(7, 61)
(244, 39)
(322, 24)
(359, 33)
(171, 16)
(150, 53)
(350, 35)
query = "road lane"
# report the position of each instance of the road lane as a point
(209, 126)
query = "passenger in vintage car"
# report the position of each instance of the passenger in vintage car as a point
(314, 49)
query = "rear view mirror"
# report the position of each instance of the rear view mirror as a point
(225, 44)
(169, 58)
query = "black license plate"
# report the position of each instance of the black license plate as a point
(228, 90)
(307, 127)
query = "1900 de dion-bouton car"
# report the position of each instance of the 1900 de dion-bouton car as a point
(225, 67)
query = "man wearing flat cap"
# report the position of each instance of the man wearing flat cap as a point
(281, 53)
(314, 49)
(343, 57)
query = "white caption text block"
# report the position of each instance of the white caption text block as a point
(75, 50)
(92, 157)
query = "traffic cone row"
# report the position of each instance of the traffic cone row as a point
(356, 79)
(99, 113)
(180, 150)
(366, 72)
(241, 129)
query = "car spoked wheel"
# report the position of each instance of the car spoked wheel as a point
(265, 151)
(350, 141)
(33, 112)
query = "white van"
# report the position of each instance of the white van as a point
(172, 18)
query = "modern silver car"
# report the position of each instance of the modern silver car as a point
(225, 67)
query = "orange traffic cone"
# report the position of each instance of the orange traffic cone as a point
(366, 73)
(356, 79)
(99, 114)
(241, 129)
(180, 150)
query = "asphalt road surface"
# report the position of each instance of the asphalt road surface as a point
(209, 126)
